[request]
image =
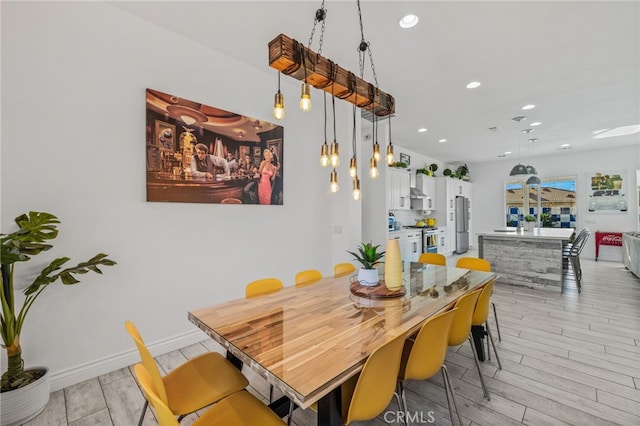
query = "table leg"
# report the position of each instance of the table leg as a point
(330, 408)
(478, 332)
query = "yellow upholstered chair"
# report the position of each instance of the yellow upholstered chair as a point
(262, 286)
(240, 408)
(423, 357)
(461, 328)
(478, 264)
(433, 259)
(259, 288)
(193, 385)
(307, 277)
(474, 263)
(342, 269)
(480, 315)
(366, 395)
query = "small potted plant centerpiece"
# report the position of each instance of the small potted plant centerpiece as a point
(25, 393)
(529, 222)
(369, 258)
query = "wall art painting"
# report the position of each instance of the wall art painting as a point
(197, 153)
(607, 191)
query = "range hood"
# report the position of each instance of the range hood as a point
(416, 193)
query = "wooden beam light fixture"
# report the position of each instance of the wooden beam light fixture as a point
(295, 60)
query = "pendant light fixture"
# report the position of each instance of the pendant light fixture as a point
(278, 104)
(518, 169)
(324, 152)
(353, 164)
(334, 155)
(373, 163)
(305, 95)
(334, 181)
(390, 159)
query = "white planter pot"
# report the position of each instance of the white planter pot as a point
(368, 277)
(23, 404)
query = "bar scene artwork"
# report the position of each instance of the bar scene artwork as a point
(197, 153)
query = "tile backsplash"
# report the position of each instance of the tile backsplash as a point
(409, 217)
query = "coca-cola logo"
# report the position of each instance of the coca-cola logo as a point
(612, 239)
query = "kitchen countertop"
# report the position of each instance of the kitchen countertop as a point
(537, 233)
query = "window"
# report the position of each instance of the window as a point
(557, 201)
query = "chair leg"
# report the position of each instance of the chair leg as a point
(402, 402)
(291, 405)
(144, 410)
(475, 358)
(448, 388)
(492, 344)
(495, 315)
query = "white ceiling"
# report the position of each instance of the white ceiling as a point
(578, 62)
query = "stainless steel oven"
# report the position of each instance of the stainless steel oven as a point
(430, 240)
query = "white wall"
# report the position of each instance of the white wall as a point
(488, 190)
(73, 143)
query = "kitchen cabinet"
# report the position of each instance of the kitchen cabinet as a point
(412, 245)
(428, 186)
(443, 240)
(398, 189)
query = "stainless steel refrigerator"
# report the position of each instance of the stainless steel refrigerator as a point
(462, 224)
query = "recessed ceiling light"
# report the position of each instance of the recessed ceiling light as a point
(408, 21)
(565, 145)
(422, 129)
(535, 123)
(507, 152)
(442, 140)
(473, 85)
(529, 106)
(527, 131)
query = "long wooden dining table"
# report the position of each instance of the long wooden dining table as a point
(307, 341)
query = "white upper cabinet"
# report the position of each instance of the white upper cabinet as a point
(398, 189)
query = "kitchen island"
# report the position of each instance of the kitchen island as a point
(527, 258)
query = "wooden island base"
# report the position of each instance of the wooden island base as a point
(531, 259)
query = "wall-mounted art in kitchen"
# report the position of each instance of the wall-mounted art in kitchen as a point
(197, 153)
(608, 192)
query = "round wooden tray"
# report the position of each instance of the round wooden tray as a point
(379, 291)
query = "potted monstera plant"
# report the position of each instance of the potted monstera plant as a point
(369, 258)
(25, 392)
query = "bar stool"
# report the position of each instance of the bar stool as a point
(573, 255)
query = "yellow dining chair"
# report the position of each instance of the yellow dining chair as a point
(478, 264)
(424, 356)
(240, 408)
(366, 395)
(480, 315)
(193, 385)
(262, 286)
(259, 288)
(461, 328)
(433, 259)
(342, 269)
(309, 276)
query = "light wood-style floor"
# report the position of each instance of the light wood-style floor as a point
(567, 359)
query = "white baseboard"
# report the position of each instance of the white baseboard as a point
(72, 376)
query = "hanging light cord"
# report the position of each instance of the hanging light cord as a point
(333, 101)
(325, 117)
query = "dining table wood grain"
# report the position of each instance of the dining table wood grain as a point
(307, 341)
